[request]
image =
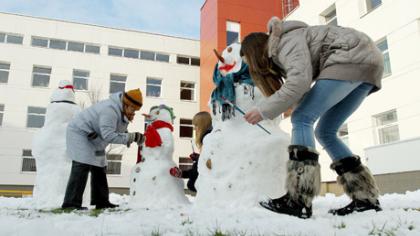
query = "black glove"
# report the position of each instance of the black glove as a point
(194, 156)
(135, 137)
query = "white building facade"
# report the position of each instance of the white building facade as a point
(385, 130)
(36, 53)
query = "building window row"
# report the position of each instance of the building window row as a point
(64, 45)
(11, 38)
(186, 60)
(138, 54)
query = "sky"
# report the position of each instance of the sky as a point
(170, 17)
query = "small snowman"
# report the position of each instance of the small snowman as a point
(151, 185)
(49, 148)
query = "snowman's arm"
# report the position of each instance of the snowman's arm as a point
(108, 120)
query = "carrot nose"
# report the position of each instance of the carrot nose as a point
(147, 116)
(219, 56)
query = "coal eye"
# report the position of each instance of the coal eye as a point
(229, 49)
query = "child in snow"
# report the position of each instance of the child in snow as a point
(202, 126)
(345, 66)
(88, 134)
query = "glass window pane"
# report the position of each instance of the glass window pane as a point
(387, 65)
(42, 70)
(386, 118)
(183, 60)
(231, 37)
(2, 37)
(1, 119)
(187, 94)
(28, 164)
(1, 107)
(389, 134)
(5, 66)
(131, 53)
(76, 47)
(26, 152)
(154, 81)
(14, 39)
(187, 85)
(92, 49)
(121, 78)
(80, 83)
(383, 45)
(39, 42)
(116, 87)
(80, 73)
(372, 4)
(40, 80)
(113, 168)
(146, 55)
(114, 157)
(195, 61)
(37, 110)
(115, 51)
(185, 128)
(57, 44)
(153, 91)
(4, 76)
(35, 121)
(185, 122)
(162, 57)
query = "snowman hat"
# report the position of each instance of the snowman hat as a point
(65, 84)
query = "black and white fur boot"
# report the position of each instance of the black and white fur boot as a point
(358, 183)
(302, 184)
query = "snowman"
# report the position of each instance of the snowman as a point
(240, 164)
(49, 148)
(151, 185)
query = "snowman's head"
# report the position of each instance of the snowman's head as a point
(163, 113)
(230, 61)
(153, 114)
(64, 92)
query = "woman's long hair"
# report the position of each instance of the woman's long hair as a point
(266, 75)
(202, 123)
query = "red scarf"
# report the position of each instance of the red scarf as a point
(152, 136)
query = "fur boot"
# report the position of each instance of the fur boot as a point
(358, 183)
(302, 184)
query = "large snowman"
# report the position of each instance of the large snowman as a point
(151, 185)
(49, 148)
(240, 164)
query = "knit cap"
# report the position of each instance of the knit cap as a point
(133, 98)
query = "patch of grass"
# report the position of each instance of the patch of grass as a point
(383, 231)
(156, 232)
(186, 222)
(342, 225)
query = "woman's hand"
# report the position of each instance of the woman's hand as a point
(253, 116)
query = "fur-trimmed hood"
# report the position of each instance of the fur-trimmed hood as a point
(276, 28)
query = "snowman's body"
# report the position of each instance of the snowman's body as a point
(151, 185)
(49, 150)
(246, 163)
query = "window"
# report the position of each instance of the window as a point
(14, 39)
(4, 72)
(195, 61)
(131, 53)
(372, 4)
(185, 128)
(2, 37)
(146, 55)
(92, 49)
(117, 83)
(58, 44)
(383, 46)
(75, 47)
(387, 127)
(1, 113)
(41, 76)
(162, 57)
(232, 32)
(80, 79)
(343, 134)
(39, 42)
(330, 16)
(115, 51)
(153, 87)
(28, 162)
(36, 117)
(185, 163)
(114, 164)
(187, 91)
(183, 60)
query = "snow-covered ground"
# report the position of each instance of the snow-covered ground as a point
(401, 216)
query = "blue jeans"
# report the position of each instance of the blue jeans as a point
(332, 102)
